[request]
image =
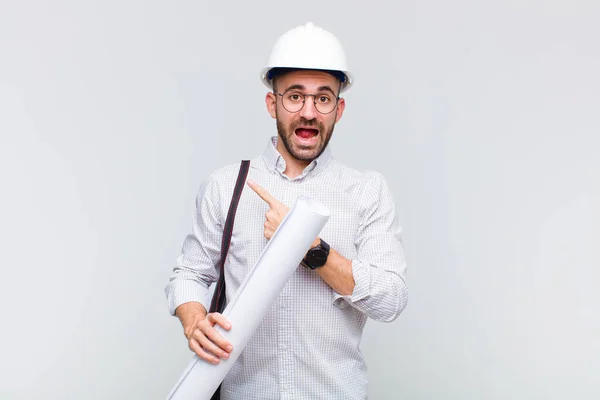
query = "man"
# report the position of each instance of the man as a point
(307, 346)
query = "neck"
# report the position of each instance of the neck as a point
(293, 166)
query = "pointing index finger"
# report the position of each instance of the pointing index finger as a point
(262, 193)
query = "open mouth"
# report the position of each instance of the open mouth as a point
(307, 133)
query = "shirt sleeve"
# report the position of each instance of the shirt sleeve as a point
(379, 268)
(196, 266)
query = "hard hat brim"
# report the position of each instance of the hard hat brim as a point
(266, 78)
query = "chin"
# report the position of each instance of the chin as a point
(305, 155)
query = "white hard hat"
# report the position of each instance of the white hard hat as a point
(308, 47)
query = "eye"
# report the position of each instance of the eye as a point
(323, 99)
(295, 97)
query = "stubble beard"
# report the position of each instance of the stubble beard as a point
(285, 135)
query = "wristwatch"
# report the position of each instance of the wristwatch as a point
(317, 256)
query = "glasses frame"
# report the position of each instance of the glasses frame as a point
(314, 96)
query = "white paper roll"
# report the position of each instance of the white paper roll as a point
(256, 295)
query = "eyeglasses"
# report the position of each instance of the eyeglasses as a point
(293, 101)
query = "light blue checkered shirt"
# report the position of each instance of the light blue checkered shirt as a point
(307, 346)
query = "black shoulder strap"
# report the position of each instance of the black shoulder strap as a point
(218, 301)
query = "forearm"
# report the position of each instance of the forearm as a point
(379, 291)
(337, 273)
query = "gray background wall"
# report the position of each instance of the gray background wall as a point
(483, 116)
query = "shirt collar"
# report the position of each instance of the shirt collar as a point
(275, 162)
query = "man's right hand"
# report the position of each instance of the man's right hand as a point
(199, 329)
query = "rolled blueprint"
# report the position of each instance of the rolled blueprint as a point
(256, 294)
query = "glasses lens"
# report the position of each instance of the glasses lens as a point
(325, 103)
(293, 101)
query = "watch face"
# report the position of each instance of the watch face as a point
(317, 258)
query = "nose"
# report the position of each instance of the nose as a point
(309, 111)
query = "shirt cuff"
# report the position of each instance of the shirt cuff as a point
(360, 273)
(185, 291)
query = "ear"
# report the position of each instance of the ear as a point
(340, 109)
(271, 102)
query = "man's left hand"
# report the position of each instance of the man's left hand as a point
(277, 210)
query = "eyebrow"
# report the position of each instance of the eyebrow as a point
(320, 89)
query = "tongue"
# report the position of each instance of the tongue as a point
(306, 133)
